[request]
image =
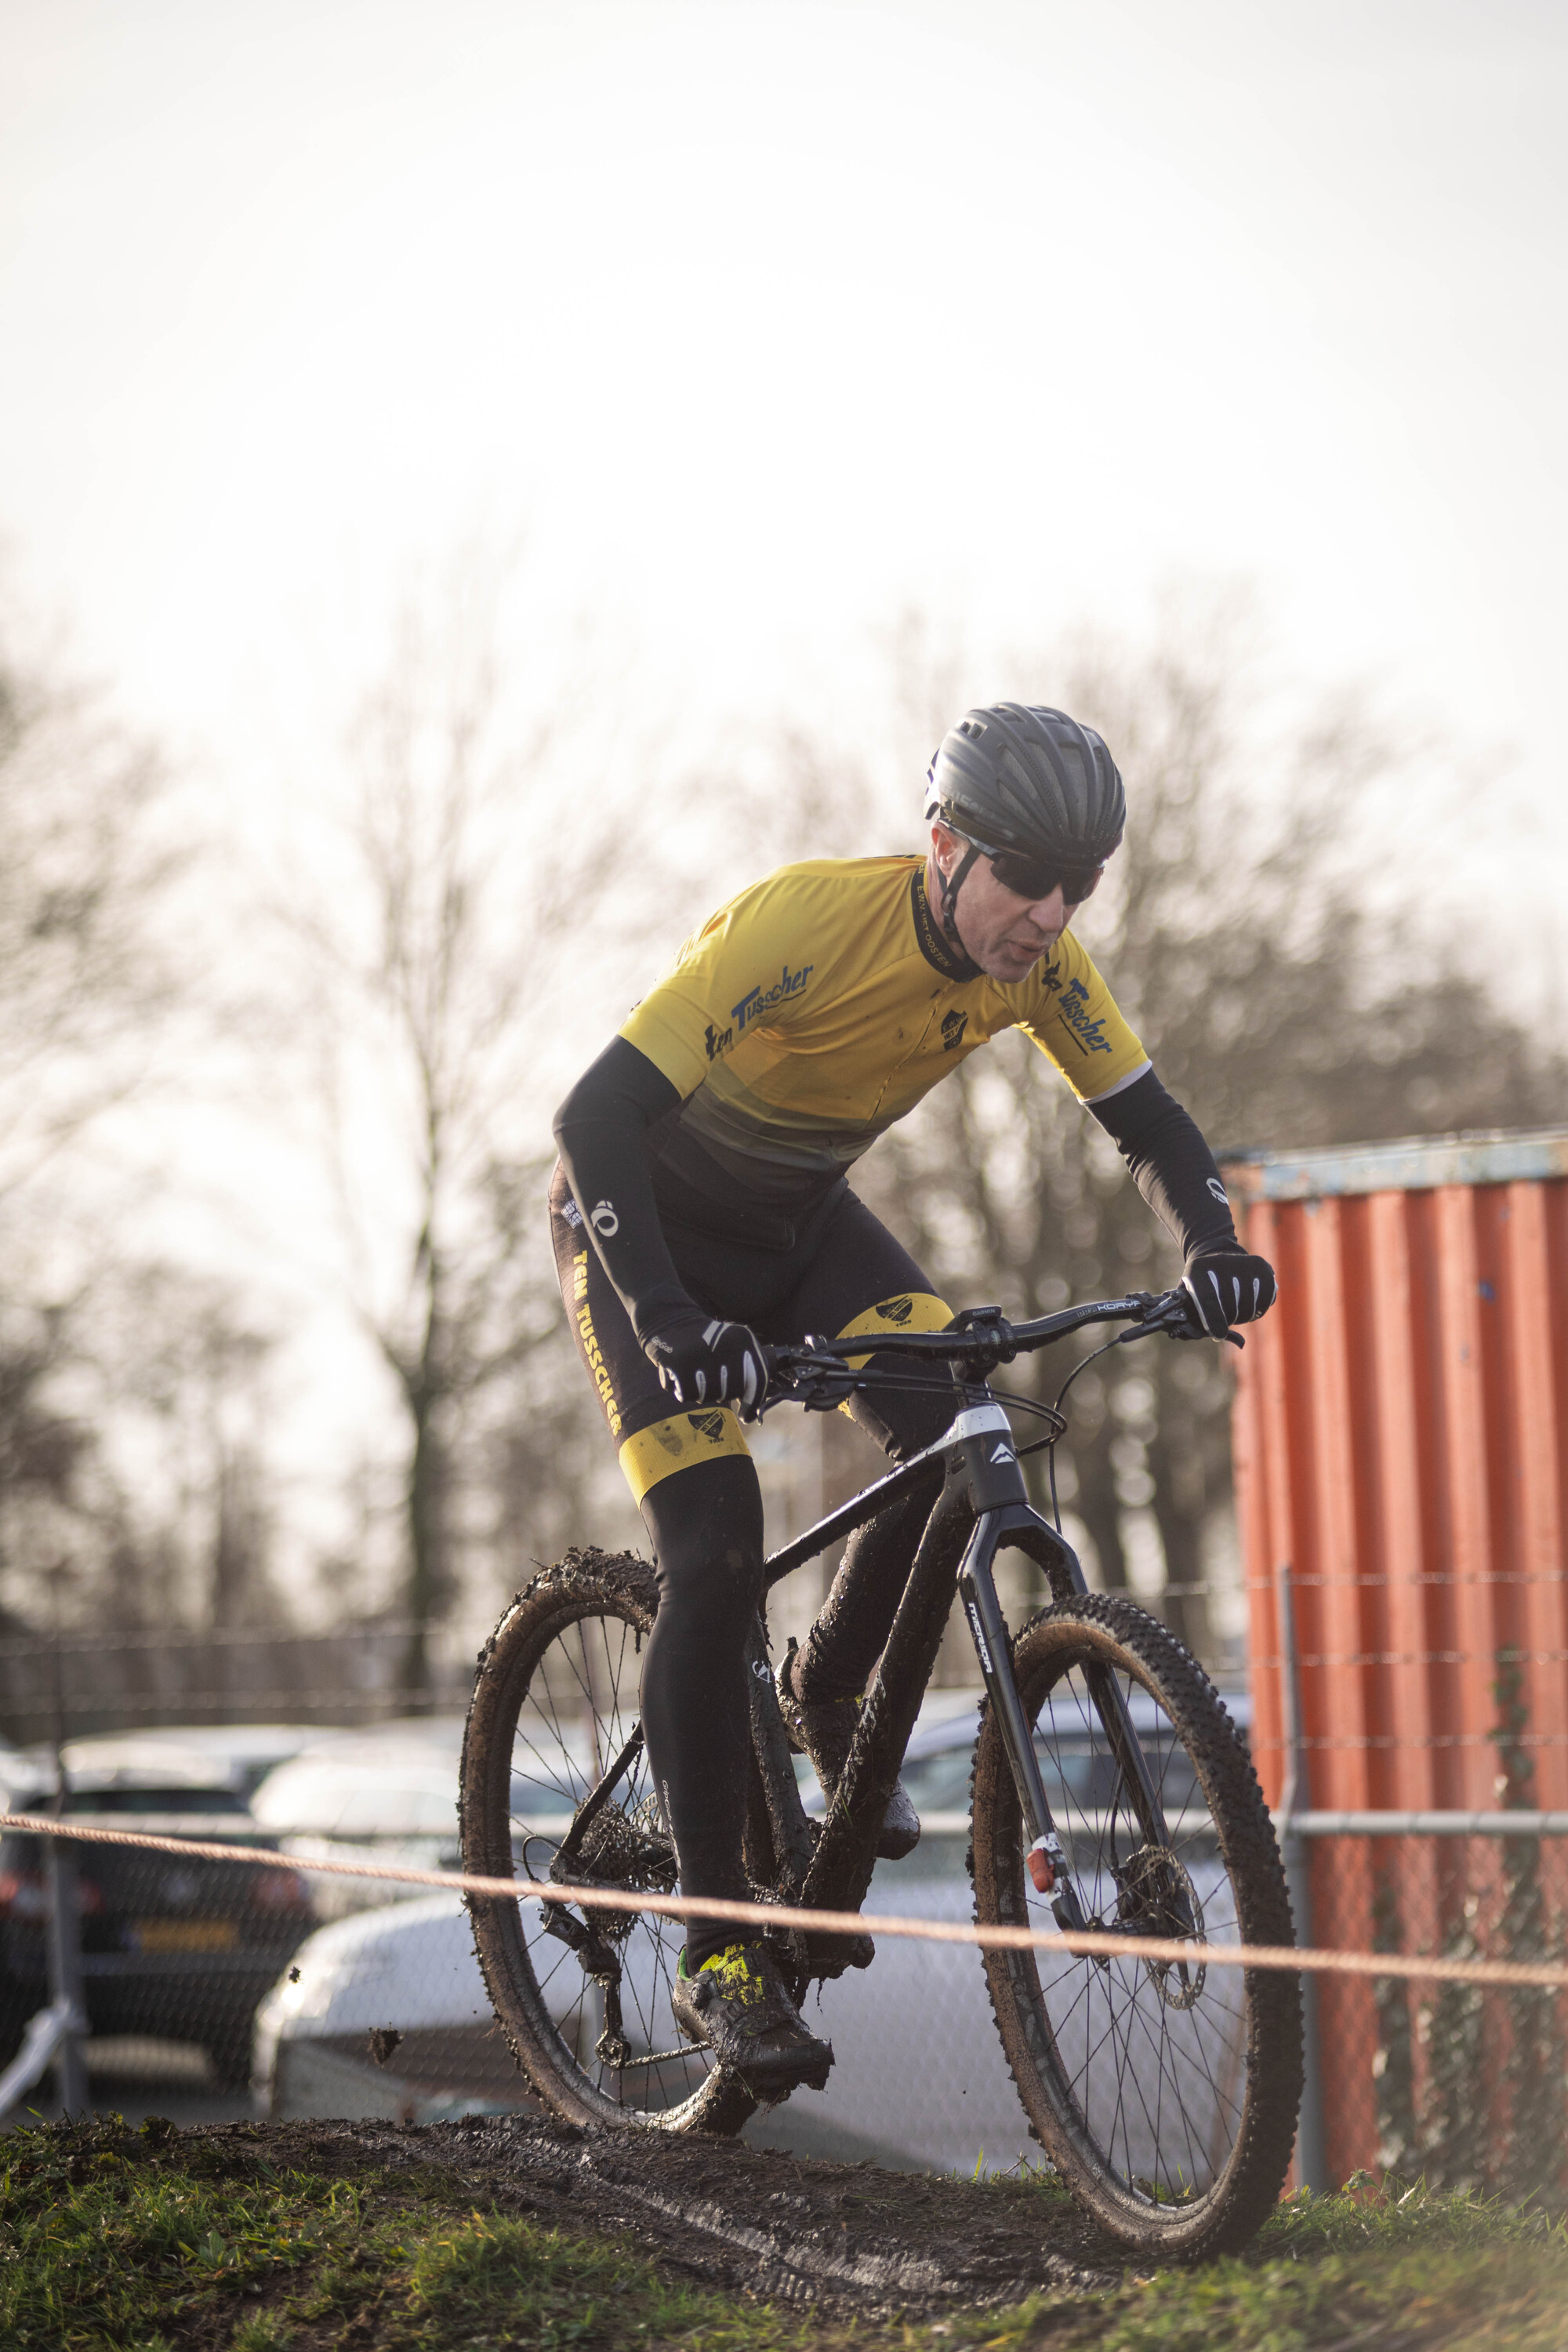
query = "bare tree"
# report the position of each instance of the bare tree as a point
(87, 976)
(93, 966)
(482, 861)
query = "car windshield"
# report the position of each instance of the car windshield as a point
(1076, 1776)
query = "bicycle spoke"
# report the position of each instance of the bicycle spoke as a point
(1151, 2061)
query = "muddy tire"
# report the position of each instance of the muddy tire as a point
(1165, 2097)
(555, 1701)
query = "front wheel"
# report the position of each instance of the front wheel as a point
(1165, 2094)
(582, 1992)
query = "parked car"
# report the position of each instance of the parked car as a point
(178, 1948)
(384, 2013)
(245, 1752)
(384, 1797)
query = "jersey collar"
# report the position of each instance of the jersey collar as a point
(936, 948)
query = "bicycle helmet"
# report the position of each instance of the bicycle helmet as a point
(1028, 782)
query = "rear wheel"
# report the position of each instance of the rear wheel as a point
(1164, 2094)
(582, 1994)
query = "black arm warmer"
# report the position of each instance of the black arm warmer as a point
(601, 1128)
(1171, 1165)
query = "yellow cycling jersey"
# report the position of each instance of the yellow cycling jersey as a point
(819, 1005)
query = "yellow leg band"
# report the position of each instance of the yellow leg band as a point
(677, 1444)
(912, 1310)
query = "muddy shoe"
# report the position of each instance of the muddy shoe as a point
(824, 1733)
(737, 2006)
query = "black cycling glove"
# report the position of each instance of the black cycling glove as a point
(1226, 1286)
(703, 1362)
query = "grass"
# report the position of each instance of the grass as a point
(1364, 2270)
(112, 2240)
(117, 2241)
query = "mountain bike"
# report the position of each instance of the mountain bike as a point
(1109, 1790)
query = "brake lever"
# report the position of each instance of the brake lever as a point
(808, 1377)
(1173, 1317)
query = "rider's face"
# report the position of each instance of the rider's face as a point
(1006, 935)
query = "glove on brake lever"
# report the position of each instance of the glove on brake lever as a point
(808, 1376)
(1176, 1314)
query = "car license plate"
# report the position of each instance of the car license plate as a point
(183, 1934)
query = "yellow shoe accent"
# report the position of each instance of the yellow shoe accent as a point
(737, 1981)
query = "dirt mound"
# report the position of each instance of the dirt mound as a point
(790, 2228)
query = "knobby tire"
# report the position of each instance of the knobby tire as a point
(555, 1697)
(1165, 2099)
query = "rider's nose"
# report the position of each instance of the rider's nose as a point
(1050, 914)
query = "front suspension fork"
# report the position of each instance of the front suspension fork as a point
(1047, 1862)
(1047, 1865)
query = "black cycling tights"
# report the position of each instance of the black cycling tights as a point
(707, 1529)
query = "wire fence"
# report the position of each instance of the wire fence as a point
(255, 1959)
(80, 1681)
(1458, 2081)
(1438, 1960)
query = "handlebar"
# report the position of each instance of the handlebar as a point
(814, 1375)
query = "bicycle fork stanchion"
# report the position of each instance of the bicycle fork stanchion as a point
(1004, 1516)
(1002, 1508)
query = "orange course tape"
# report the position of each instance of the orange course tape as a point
(1429, 1967)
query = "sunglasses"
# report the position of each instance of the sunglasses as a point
(1031, 879)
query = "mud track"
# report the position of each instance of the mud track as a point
(849, 2239)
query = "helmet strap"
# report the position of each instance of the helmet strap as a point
(950, 889)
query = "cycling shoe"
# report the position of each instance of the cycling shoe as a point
(738, 2006)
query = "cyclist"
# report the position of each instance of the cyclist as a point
(702, 1206)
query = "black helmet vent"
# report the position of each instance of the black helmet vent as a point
(1022, 777)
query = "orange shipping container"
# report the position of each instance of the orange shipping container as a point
(1400, 1443)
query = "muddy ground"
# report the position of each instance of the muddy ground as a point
(850, 2239)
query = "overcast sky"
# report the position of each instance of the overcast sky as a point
(767, 320)
(769, 317)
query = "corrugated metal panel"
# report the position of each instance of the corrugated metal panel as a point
(1401, 1464)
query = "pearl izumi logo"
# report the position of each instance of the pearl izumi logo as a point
(604, 1220)
(895, 1310)
(1217, 1189)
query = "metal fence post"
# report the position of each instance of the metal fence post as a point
(64, 1954)
(1311, 2141)
(64, 1975)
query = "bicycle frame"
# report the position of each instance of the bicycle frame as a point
(982, 1509)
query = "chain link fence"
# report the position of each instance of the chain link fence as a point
(1463, 2084)
(204, 1989)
